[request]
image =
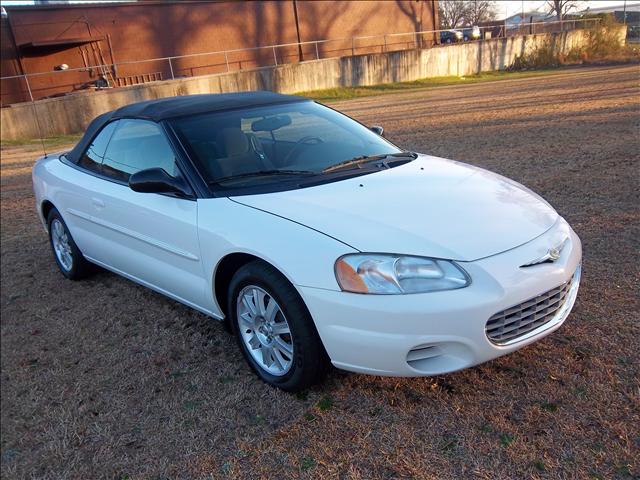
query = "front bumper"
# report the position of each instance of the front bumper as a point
(439, 332)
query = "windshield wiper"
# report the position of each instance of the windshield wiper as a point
(362, 159)
(263, 173)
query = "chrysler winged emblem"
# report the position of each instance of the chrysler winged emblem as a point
(551, 256)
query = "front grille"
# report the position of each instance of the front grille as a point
(508, 325)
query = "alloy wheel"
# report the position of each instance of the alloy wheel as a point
(61, 245)
(264, 330)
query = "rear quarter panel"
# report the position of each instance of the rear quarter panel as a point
(44, 182)
(65, 187)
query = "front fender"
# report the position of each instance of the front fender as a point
(303, 255)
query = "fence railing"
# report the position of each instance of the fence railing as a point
(32, 86)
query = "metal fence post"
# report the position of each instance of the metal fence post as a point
(275, 58)
(171, 68)
(226, 59)
(317, 53)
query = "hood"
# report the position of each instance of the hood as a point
(429, 207)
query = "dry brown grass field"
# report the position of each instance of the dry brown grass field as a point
(105, 379)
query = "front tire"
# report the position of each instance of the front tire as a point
(274, 329)
(68, 256)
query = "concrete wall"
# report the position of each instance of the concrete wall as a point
(71, 114)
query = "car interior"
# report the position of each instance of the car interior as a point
(304, 137)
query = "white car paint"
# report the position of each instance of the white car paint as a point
(428, 207)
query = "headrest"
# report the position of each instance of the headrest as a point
(234, 140)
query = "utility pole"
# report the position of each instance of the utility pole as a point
(624, 13)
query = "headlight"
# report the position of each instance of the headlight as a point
(386, 274)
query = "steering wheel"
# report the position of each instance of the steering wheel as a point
(308, 140)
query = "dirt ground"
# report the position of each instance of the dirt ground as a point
(105, 379)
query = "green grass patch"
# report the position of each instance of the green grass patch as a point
(49, 142)
(307, 463)
(346, 93)
(539, 464)
(506, 440)
(624, 470)
(325, 403)
(549, 406)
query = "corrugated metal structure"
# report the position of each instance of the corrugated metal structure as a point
(43, 38)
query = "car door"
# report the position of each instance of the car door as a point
(149, 237)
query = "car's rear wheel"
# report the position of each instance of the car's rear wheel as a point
(274, 329)
(68, 257)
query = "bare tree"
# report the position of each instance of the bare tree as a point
(560, 8)
(452, 13)
(479, 11)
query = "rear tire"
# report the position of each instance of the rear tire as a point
(68, 256)
(274, 329)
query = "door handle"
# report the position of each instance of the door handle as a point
(97, 203)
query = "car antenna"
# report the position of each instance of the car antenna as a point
(35, 115)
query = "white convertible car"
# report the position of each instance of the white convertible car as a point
(317, 240)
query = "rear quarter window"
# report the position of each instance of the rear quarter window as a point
(94, 154)
(137, 145)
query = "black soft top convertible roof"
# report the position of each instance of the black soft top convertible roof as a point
(171, 107)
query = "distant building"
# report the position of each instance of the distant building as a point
(630, 14)
(528, 17)
(50, 37)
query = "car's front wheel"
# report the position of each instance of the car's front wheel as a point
(274, 329)
(68, 256)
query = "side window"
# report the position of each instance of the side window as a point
(92, 157)
(138, 145)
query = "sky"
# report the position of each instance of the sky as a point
(505, 8)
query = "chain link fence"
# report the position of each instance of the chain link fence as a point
(34, 86)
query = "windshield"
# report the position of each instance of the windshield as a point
(273, 143)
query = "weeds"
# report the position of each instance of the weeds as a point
(603, 43)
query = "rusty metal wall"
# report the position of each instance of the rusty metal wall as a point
(140, 31)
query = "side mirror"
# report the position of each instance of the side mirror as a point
(156, 180)
(377, 129)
